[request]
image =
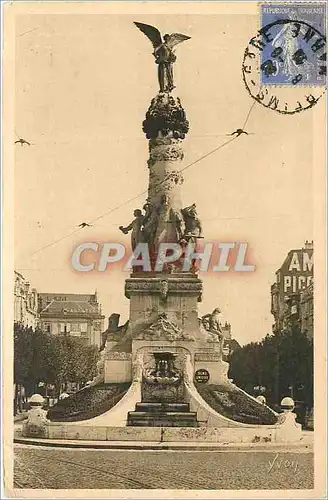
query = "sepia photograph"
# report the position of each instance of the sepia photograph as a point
(163, 249)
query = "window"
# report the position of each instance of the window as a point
(84, 327)
(47, 327)
(65, 328)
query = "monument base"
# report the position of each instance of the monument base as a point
(161, 377)
(194, 421)
(250, 435)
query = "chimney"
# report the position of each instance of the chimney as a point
(308, 245)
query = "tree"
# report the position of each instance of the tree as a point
(22, 353)
(42, 357)
(29, 360)
(283, 363)
(72, 361)
(244, 366)
(22, 362)
(296, 365)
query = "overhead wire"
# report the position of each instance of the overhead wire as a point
(114, 209)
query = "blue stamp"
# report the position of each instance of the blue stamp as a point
(292, 44)
(284, 63)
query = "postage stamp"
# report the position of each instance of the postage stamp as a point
(284, 64)
(295, 48)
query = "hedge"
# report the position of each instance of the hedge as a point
(233, 403)
(87, 403)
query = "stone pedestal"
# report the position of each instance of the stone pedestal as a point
(176, 295)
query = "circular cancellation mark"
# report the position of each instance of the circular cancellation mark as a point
(284, 66)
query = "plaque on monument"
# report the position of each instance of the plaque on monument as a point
(202, 376)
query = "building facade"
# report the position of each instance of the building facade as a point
(77, 315)
(292, 292)
(307, 311)
(25, 302)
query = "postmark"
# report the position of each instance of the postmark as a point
(284, 64)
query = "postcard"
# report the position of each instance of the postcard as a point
(164, 235)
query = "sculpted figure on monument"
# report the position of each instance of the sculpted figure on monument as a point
(170, 222)
(165, 123)
(211, 322)
(114, 330)
(135, 227)
(149, 222)
(171, 268)
(163, 212)
(193, 227)
(164, 289)
(164, 329)
(165, 57)
(163, 53)
(178, 224)
(165, 371)
(148, 212)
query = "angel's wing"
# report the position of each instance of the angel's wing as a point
(152, 33)
(176, 38)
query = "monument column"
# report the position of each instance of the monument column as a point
(169, 296)
(165, 126)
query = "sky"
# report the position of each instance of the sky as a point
(83, 84)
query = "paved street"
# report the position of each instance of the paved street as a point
(40, 467)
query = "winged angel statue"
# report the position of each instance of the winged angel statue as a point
(163, 53)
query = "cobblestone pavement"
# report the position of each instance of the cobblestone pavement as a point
(38, 467)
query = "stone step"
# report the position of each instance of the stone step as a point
(168, 407)
(140, 419)
(161, 423)
(167, 414)
(162, 419)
